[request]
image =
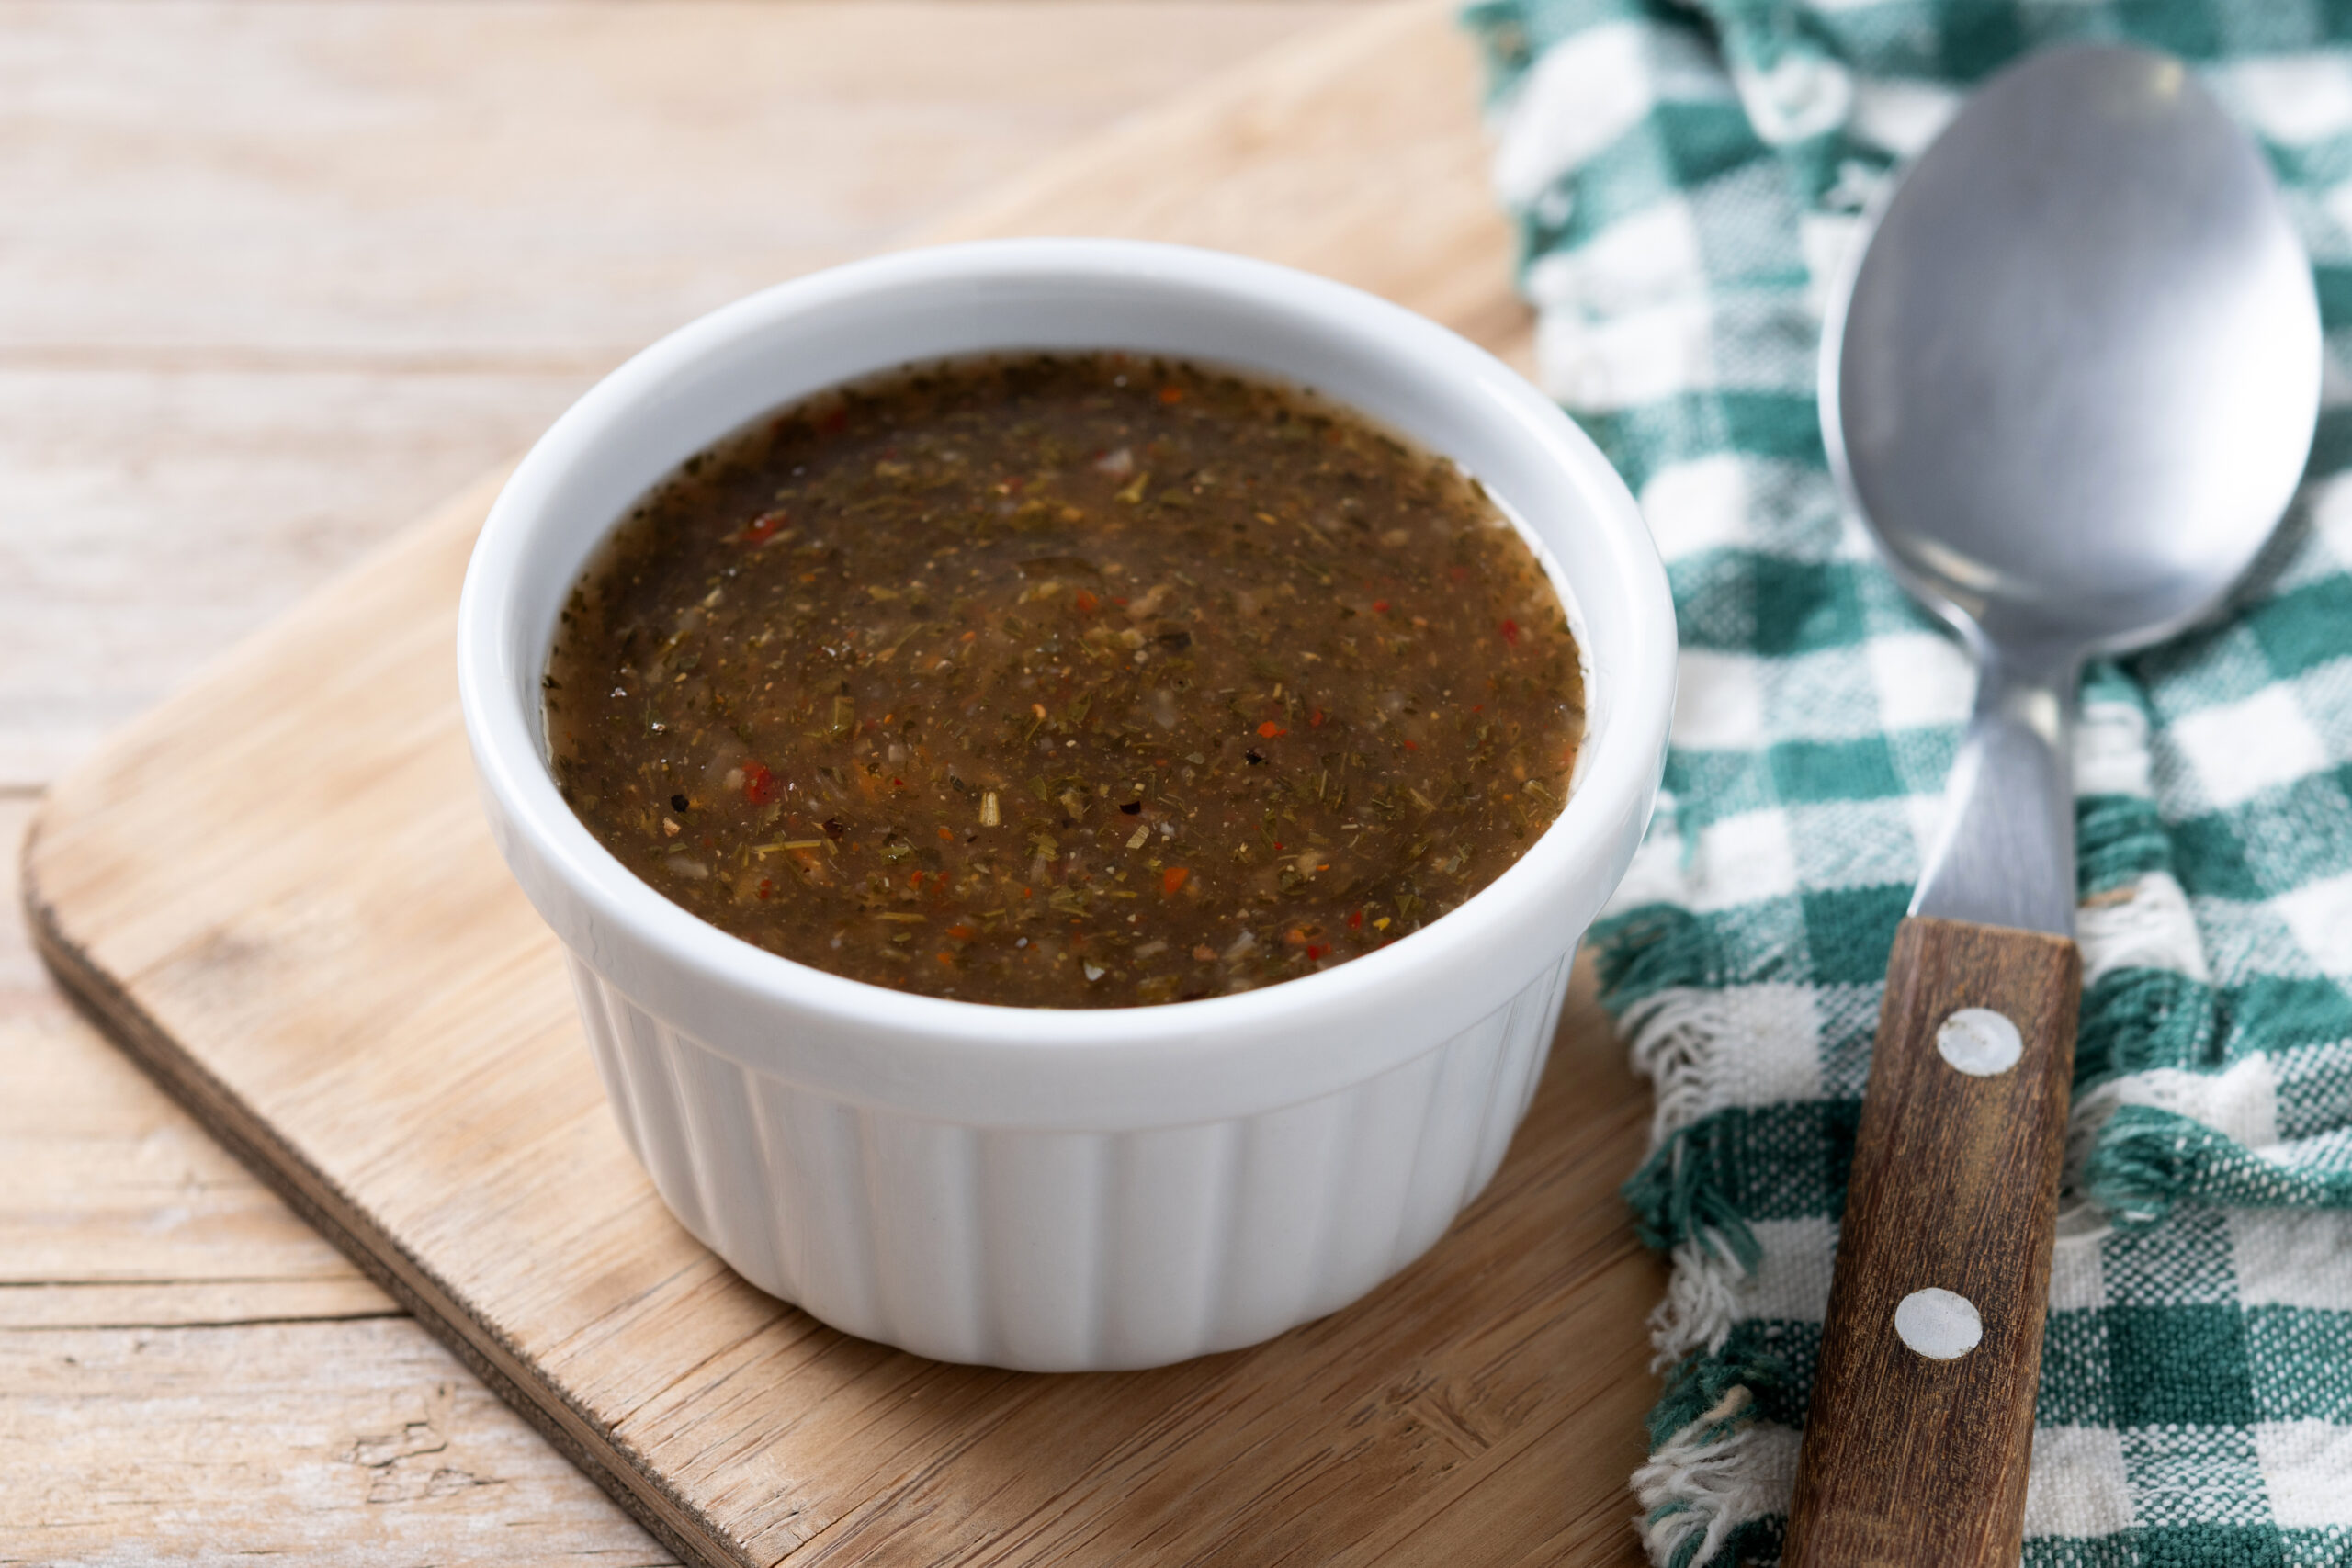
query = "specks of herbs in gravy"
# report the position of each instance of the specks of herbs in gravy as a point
(1066, 681)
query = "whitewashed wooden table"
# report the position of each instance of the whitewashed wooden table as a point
(273, 278)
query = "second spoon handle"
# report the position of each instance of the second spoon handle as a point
(1916, 1439)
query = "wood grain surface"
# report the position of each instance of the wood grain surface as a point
(1911, 1462)
(277, 891)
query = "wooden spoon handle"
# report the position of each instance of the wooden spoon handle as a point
(1917, 1440)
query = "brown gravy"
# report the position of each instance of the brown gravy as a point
(1066, 681)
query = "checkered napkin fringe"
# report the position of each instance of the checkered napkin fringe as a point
(1686, 179)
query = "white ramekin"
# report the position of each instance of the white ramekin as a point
(1042, 1189)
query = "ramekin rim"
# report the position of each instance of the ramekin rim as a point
(1618, 779)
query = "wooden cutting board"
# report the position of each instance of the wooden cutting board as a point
(277, 892)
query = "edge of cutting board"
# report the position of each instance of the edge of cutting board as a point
(283, 1167)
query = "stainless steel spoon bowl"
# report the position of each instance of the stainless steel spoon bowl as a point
(2070, 384)
(2074, 381)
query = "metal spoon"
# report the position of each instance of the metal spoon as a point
(2070, 384)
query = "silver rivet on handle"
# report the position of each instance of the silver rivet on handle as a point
(1940, 1325)
(1979, 1042)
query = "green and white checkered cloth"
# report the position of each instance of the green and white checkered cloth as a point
(1687, 178)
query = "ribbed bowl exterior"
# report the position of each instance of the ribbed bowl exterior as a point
(1060, 1251)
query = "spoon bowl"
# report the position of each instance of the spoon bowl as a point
(2073, 381)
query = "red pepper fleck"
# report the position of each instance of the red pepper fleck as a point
(1355, 920)
(1316, 722)
(1120, 599)
(961, 933)
(1380, 606)
(897, 783)
(946, 958)
(1411, 747)
(1173, 878)
(914, 879)
(1270, 729)
(948, 833)
(1510, 633)
(1277, 849)
(1457, 573)
(763, 527)
(1314, 952)
(1085, 602)
(759, 784)
(766, 887)
(1172, 394)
